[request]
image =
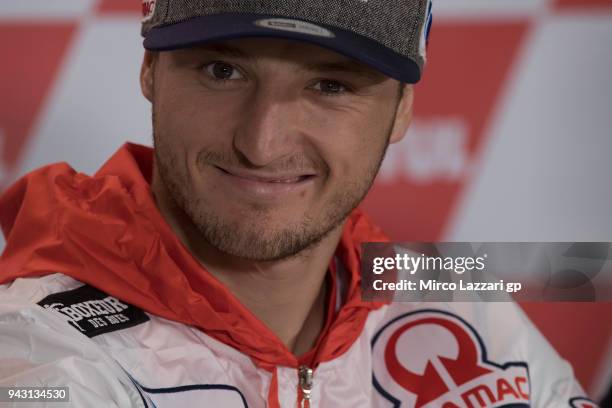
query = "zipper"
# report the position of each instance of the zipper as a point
(305, 376)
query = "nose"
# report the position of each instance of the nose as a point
(264, 132)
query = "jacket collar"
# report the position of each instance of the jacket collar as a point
(107, 231)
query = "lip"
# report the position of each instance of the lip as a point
(265, 186)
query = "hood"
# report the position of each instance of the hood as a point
(106, 230)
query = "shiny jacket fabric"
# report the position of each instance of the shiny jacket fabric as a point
(99, 295)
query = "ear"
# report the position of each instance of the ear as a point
(147, 73)
(403, 116)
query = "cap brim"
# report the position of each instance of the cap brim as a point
(221, 27)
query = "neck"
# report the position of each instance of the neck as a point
(287, 295)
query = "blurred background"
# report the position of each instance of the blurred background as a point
(512, 139)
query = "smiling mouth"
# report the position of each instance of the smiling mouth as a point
(268, 179)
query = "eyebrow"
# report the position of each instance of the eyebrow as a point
(347, 66)
(226, 50)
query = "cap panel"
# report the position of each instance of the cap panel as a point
(393, 32)
(228, 26)
(395, 24)
(160, 14)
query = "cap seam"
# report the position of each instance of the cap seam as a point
(417, 28)
(168, 5)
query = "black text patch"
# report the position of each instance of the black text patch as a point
(92, 311)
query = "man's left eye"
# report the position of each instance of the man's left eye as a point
(222, 71)
(330, 87)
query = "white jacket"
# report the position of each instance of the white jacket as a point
(98, 294)
(408, 355)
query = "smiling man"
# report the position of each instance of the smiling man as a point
(221, 267)
(255, 169)
(268, 130)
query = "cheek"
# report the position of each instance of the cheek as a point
(351, 145)
(190, 121)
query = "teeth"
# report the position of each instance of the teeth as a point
(286, 181)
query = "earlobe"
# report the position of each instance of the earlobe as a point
(147, 74)
(403, 116)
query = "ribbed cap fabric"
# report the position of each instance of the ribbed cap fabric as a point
(389, 35)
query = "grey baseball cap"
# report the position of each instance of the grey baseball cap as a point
(388, 35)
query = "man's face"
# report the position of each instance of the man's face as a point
(267, 145)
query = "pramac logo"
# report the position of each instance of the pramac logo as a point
(581, 402)
(432, 358)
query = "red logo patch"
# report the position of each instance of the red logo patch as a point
(148, 8)
(581, 402)
(435, 359)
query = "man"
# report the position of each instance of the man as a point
(221, 268)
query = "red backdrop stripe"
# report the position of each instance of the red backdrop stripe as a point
(462, 83)
(35, 51)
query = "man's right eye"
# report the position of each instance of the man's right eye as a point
(222, 71)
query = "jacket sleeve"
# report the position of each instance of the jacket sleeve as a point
(40, 349)
(510, 332)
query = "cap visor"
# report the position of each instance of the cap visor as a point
(221, 27)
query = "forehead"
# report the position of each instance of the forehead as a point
(311, 56)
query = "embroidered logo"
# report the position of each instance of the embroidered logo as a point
(581, 402)
(92, 311)
(148, 8)
(431, 358)
(295, 26)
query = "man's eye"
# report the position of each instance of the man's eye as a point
(222, 71)
(330, 87)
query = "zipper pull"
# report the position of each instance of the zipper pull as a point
(305, 375)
